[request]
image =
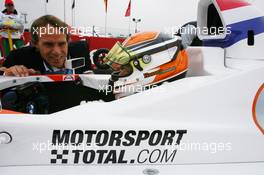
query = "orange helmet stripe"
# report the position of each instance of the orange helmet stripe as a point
(140, 38)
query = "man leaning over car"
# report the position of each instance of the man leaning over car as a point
(48, 54)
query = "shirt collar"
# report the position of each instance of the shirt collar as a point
(49, 68)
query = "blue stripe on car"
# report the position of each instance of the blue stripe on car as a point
(239, 31)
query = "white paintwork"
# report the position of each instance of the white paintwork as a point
(190, 104)
(241, 50)
(214, 104)
(204, 61)
(203, 169)
(89, 80)
(234, 15)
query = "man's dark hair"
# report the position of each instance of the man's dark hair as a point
(44, 21)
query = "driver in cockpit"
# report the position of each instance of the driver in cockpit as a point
(48, 54)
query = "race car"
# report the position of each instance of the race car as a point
(210, 122)
(146, 60)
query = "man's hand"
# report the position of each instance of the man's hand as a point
(19, 71)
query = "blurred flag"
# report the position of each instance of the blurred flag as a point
(106, 4)
(128, 11)
(73, 4)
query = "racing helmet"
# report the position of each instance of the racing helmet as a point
(148, 58)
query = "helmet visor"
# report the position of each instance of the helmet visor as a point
(118, 55)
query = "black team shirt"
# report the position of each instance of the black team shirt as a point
(27, 56)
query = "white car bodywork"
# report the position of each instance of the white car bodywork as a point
(214, 113)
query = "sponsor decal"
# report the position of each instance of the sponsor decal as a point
(68, 77)
(115, 147)
(258, 109)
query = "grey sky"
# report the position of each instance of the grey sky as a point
(155, 14)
